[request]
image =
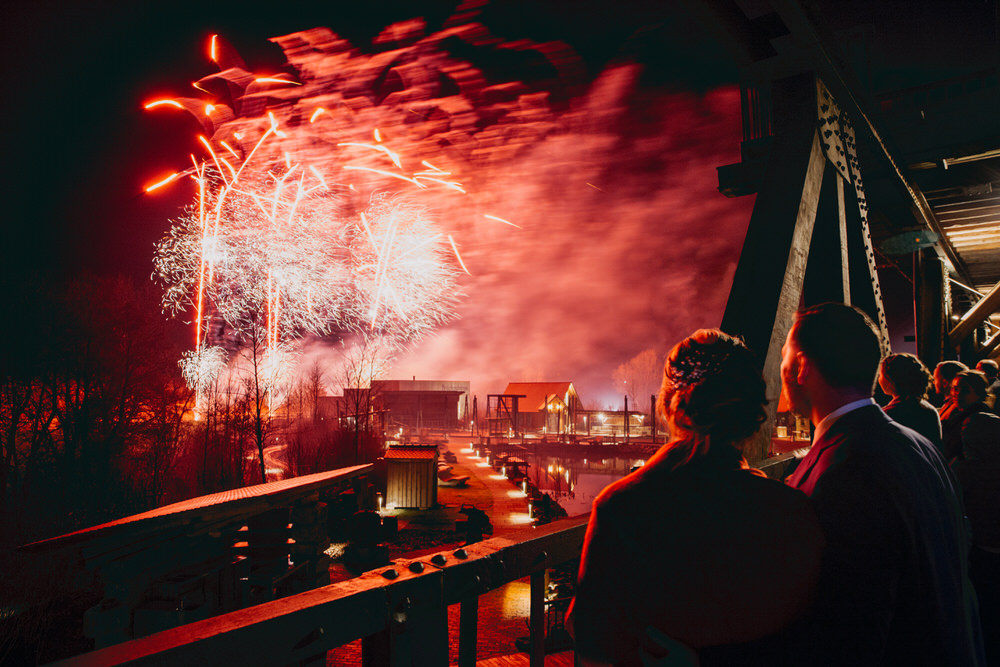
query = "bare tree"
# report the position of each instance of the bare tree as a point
(640, 376)
(315, 379)
(263, 383)
(363, 363)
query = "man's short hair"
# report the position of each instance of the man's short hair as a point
(989, 367)
(843, 343)
(949, 369)
(976, 381)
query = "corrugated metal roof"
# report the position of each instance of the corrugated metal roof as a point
(411, 453)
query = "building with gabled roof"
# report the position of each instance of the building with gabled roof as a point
(547, 407)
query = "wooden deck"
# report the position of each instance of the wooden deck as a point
(561, 659)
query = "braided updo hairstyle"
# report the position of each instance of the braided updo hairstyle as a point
(712, 388)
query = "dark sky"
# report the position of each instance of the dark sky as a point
(78, 147)
(661, 242)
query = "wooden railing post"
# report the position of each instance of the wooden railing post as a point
(537, 620)
(468, 632)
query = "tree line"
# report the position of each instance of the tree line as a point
(97, 422)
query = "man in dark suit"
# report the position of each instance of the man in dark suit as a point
(893, 588)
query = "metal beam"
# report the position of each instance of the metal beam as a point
(985, 307)
(834, 76)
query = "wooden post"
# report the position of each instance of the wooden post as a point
(468, 632)
(930, 290)
(537, 619)
(652, 416)
(626, 419)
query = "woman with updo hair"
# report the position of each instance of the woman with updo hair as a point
(906, 380)
(679, 555)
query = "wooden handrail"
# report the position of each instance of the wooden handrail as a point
(381, 605)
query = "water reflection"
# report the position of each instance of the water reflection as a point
(574, 482)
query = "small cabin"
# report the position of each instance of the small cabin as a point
(411, 477)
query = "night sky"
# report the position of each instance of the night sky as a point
(546, 305)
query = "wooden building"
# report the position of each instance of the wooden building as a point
(542, 407)
(417, 404)
(411, 477)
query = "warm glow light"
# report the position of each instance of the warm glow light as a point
(316, 114)
(212, 54)
(162, 103)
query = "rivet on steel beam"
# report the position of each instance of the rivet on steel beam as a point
(390, 573)
(416, 566)
(461, 553)
(438, 559)
(540, 558)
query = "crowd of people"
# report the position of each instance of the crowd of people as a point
(881, 547)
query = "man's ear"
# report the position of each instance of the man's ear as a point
(803, 367)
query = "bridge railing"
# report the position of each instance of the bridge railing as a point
(398, 611)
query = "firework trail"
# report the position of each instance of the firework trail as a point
(296, 239)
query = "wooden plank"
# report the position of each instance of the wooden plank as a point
(561, 659)
(300, 626)
(250, 499)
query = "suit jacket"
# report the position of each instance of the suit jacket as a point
(894, 588)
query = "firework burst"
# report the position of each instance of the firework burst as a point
(292, 240)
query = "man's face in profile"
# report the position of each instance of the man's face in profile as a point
(940, 386)
(791, 362)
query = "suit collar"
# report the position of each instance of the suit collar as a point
(800, 477)
(831, 418)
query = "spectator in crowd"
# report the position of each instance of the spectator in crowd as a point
(991, 370)
(679, 555)
(906, 380)
(894, 588)
(968, 394)
(944, 373)
(978, 473)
